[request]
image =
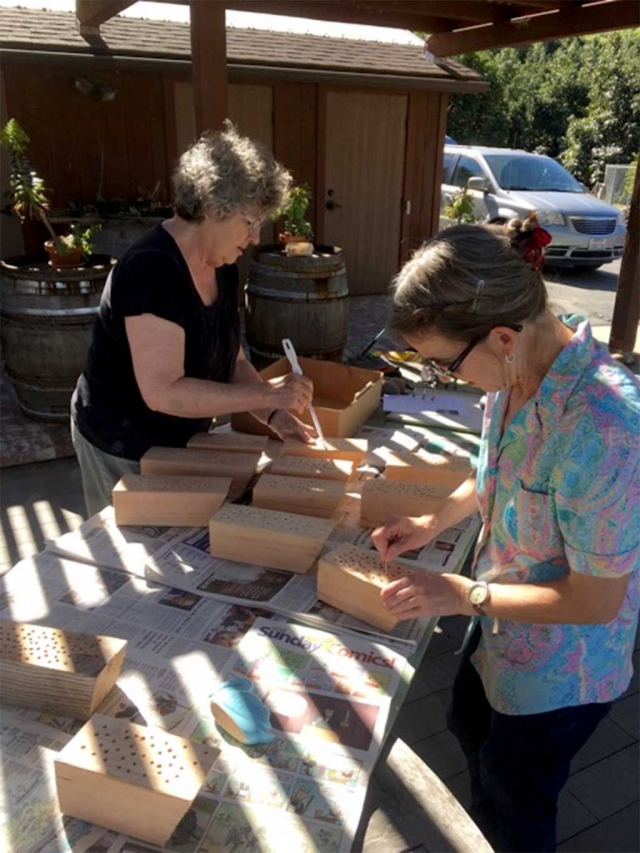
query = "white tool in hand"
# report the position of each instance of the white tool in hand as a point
(290, 352)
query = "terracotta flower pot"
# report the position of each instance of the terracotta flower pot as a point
(72, 258)
(284, 238)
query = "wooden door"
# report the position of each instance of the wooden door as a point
(361, 202)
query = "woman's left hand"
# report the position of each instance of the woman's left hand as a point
(426, 594)
(286, 425)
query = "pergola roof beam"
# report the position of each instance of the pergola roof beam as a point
(549, 24)
(91, 13)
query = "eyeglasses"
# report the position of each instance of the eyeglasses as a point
(449, 371)
(254, 223)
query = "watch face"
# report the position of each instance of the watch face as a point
(478, 595)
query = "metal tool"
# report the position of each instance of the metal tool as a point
(290, 352)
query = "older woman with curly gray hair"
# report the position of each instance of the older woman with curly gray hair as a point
(166, 356)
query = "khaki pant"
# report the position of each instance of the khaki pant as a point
(100, 471)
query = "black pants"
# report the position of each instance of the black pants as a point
(518, 764)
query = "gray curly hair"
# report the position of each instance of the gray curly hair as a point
(223, 173)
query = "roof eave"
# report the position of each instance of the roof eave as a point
(241, 71)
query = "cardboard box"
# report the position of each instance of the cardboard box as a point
(344, 397)
(58, 671)
(138, 780)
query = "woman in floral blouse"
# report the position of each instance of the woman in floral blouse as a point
(555, 582)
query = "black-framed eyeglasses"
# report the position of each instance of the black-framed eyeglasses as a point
(450, 370)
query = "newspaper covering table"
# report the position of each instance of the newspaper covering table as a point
(329, 696)
(191, 620)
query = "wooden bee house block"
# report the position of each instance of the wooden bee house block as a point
(381, 499)
(236, 442)
(301, 495)
(168, 501)
(352, 578)
(320, 469)
(58, 671)
(187, 462)
(422, 467)
(265, 537)
(138, 780)
(350, 449)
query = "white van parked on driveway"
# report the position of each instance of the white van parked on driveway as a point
(505, 183)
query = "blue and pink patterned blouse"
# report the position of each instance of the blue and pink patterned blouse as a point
(560, 492)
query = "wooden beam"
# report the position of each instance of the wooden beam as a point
(208, 64)
(348, 14)
(568, 21)
(626, 311)
(91, 13)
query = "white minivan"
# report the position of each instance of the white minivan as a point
(505, 183)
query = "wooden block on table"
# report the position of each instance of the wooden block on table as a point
(168, 501)
(320, 469)
(188, 462)
(236, 442)
(422, 467)
(351, 449)
(382, 498)
(138, 780)
(265, 537)
(302, 495)
(58, 671)
(351, 579)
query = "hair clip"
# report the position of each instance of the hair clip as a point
(479, 290)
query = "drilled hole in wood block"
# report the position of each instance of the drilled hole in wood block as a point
(129, 792)
(266, 537)
(301, 466)
(60, 671)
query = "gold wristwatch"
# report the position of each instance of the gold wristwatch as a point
(479, 596)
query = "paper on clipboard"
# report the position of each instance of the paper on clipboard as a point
(445, 409)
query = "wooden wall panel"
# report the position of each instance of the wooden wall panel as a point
(295, 132)
(71, 133)
(427, 121)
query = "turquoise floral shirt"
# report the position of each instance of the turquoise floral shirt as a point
(560, 492)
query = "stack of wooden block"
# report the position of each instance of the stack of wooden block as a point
(185, 486)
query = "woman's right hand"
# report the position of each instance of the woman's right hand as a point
(400, 534)
(290, 392)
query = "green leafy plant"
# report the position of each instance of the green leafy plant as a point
(27, 192)
(294, 212)
(78, 238)
(28, 195)
(461, 208)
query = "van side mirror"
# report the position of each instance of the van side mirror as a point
(479, 184)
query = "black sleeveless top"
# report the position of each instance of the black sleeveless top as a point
(152, 277)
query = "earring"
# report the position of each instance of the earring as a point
(510, 357)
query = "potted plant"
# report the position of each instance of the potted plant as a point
(29, 202)
(296, 227)
(461, 208)
(47, 308)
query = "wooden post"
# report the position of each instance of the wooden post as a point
(626, 311)
(208, 64)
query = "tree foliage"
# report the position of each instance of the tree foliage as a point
(576, 99)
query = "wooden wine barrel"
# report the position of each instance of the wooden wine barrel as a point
(305, 299)
(47, 322)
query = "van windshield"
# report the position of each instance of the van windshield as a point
(531, 172)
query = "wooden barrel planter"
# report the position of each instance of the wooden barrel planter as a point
(304, 299)
(47, 322)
